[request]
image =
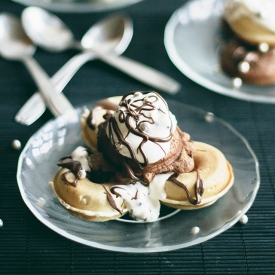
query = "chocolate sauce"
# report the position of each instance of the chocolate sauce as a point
(198, 188)
(111, 200)
(73, 165)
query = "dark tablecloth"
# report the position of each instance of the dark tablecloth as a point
(28, 247)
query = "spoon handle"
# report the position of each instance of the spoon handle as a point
(57, 103)
(35, 105)
(141, 72)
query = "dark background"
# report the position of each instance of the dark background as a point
(29, 247)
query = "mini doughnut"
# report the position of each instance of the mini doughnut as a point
(239, 59)
(87, 200)
(211, 167)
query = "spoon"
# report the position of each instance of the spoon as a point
(15, 45)
(116, 39)
(49, 32)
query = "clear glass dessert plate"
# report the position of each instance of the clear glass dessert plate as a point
(192, 38)
(175, 229)
(78, 5)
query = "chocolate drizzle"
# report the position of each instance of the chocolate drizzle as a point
(73, 165)
(111, 200)
(198, 188)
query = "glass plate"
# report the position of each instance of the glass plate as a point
(191, 40)
(58, 138)
(78, 5)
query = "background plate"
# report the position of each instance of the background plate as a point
(78, 5)
(59, 137)
(191, 40)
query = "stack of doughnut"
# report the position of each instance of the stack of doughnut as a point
(140, 160)
(249, 50)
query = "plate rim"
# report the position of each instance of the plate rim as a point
(79, 7)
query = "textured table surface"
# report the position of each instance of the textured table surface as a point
(28, 247)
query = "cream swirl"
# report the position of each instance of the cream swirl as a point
(142, 126)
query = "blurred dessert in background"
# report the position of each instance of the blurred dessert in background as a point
(248, 52)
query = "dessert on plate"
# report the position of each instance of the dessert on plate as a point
(140, 159)
(248, 52)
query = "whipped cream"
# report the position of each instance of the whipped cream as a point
(260, 12)
(80, 154)
(143, 202)
(142, 127)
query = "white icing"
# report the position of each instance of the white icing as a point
(260, 12)
(80, 154)
(143, 202)
(164, 124)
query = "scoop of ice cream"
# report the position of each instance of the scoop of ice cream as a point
(142, 136)
(141, 127)
(252, 20)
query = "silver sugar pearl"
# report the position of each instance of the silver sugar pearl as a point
(1, 223)
(143, 127)
(16, 144)
(195, 230)
(244, 67)
(137, 94)
(82, 174)
(263, 47)
(118, 145)
(41, 202)
(237, 82)
(217, 69)
(209, 117)
(243, 219)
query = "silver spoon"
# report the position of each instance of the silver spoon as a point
(48, 31)
(117, 39)
(15, 45)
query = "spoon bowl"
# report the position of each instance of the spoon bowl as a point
(50, 32)
(14, 43)
(46, 30)
(113, 34)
